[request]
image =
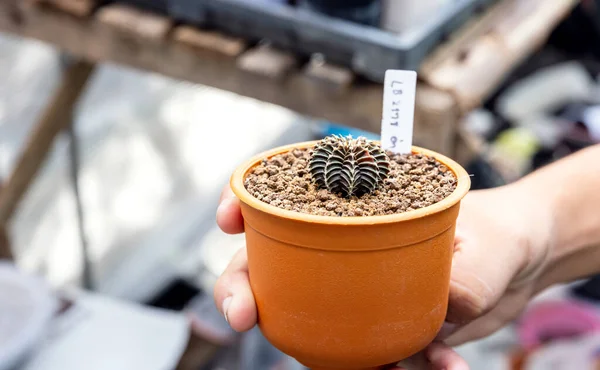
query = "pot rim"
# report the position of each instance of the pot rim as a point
(237, 186)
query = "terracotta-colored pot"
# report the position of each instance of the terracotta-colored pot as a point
(349, 293)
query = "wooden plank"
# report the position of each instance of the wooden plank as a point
(331, 75)
(267, 61)
(522, 37)
(78, 8)
(437, 115)
(473, 63)
(135, 21)
(468, 68)
(458, 43)
(56, 117)
(472, 77)
(93, 40)
(211, 40)
(468, 147)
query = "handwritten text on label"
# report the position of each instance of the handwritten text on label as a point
(398, 110)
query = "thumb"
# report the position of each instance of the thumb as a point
(229, 214)
(479, 277)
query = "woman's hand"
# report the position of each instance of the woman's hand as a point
(500, 248)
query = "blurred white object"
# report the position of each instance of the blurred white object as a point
(575, 354)
(99, 333)
(548, 129)
(26, 309)
(479, 122)
(490, 353)
(400, 16)
(591, 118)
(545, 90)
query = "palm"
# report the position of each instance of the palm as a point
(494, 268)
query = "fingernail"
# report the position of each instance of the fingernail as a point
(225, 307)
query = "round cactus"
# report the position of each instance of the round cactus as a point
(349, 167)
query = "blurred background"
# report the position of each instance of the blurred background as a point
(121, 121)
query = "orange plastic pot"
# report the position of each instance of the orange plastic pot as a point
(349, 293)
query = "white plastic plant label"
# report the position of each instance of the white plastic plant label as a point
(398, 110)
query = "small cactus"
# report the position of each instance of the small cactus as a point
(349, 167)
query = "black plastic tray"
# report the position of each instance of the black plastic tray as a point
(368, 51)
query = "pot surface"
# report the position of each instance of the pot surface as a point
(350, 293)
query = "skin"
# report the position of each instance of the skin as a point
(511, 243)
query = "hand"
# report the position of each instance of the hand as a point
(501, 247)
(498, 255)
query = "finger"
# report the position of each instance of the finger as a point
(442, 357)
(477, 281)
(437, 356)
(233, 295)
(507, 309)
(229, 214)
(483, 267)
(475, 330)
(478, 328)
(226, 193)
(468, 291)
(447, 330)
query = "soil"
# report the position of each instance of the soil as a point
(415, 181)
